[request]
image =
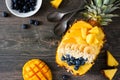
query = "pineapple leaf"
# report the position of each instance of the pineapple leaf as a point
(113, 8)
(100, 10)
(98, 3)
(107, 8)
(108, 15)
(104, 23)
(117, 3)
(112, 1)
(105, 2)
(107, 20)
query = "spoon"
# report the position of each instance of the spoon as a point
(57, 16)
(61, 27)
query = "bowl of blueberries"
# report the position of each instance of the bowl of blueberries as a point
(23, 8)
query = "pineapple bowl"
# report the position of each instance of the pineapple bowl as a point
(83, 42)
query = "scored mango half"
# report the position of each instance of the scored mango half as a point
(36, 69)
(79, 47)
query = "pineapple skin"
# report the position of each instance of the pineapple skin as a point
(77, 37)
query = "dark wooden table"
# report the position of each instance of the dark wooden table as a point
(18, 45)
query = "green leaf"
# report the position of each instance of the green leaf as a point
(98, 3)
(113, 9)
(107, 8)
(112, 1)
(99, 11)
(107, 20)
(109, 15)
(105, 2)
(104, 23)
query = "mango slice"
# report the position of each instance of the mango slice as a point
(110, 73)
(56, 3)
(111, 61)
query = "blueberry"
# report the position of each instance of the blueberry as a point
(68, 59)
(72, 58)
(32, 8)
(77, 62)
(68, 56)
(32, 1)
(63, 58)
(76, 67)
(81, 58)
(24, 26)
(83, 62)
(20, 10)
(69, 63)
(36, 23)
(32, 21)
(4, 14)
(65, 77)
(23, 5)
(15, 1)
(73, 62)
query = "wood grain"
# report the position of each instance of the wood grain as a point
(18, 46)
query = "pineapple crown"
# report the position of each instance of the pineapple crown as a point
(100, 10)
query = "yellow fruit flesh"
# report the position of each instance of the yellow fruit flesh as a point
(89, 43)
(111, 61)
(36, 69)
(109, 73)
(56, 3)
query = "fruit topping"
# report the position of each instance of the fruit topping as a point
(77, 62)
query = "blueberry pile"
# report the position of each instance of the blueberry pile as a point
(73, 61)
(24, 6)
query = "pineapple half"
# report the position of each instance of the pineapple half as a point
(82, 43)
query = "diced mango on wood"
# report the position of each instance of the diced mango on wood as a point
(56, 3)
(111, 61)
(110, 73)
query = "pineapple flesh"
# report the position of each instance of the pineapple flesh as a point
(82, 43)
